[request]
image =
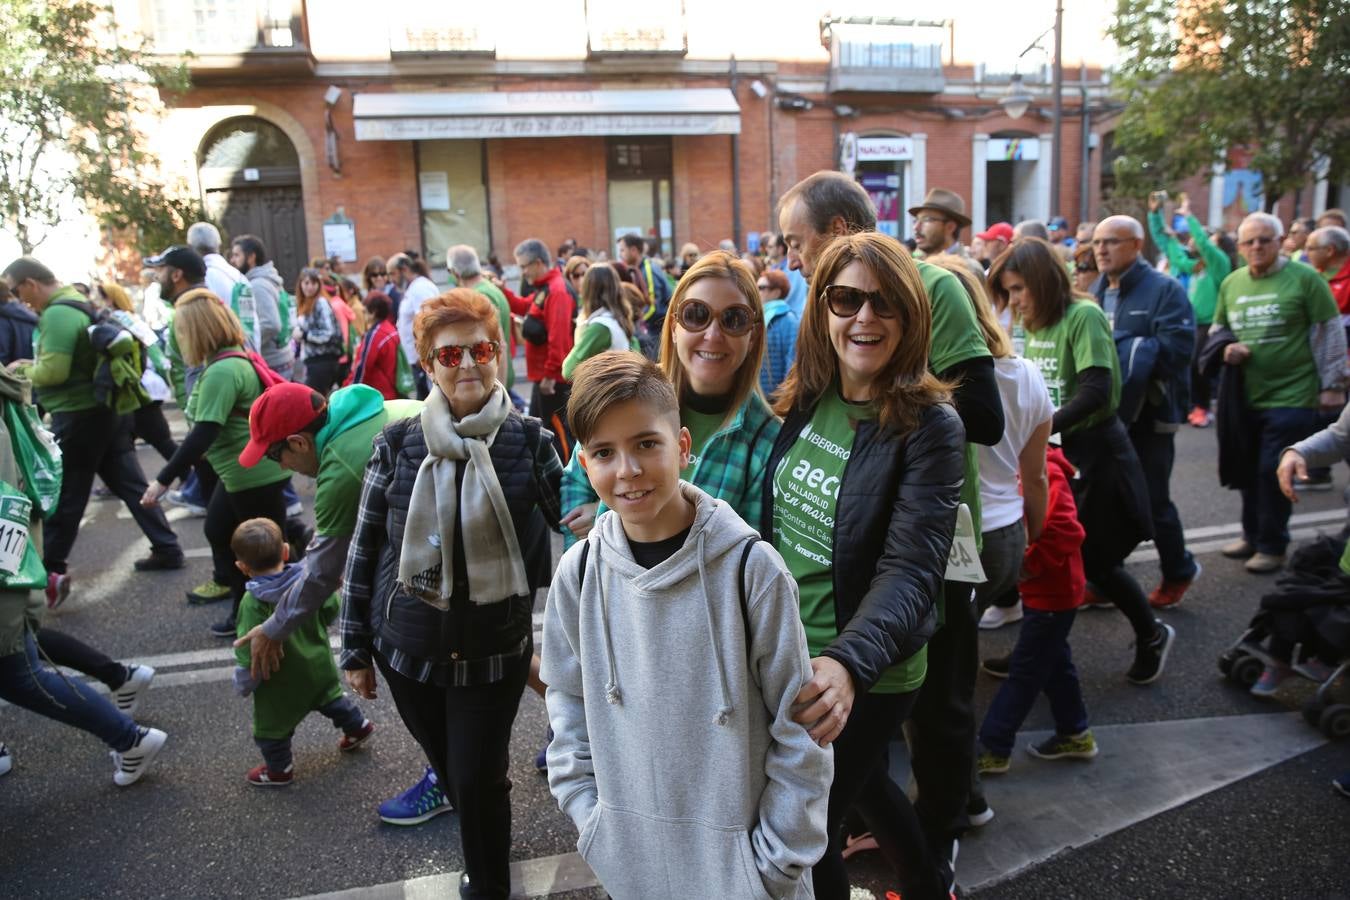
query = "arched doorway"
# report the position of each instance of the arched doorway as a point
(250, 177)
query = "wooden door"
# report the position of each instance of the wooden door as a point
(274, 214)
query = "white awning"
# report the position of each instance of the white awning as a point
(507, 114)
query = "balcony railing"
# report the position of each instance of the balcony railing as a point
(221, 34)
(870, 53)
(421, 29)
(621, 28)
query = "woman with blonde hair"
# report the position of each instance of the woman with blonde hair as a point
(712, 347)
(209, 335)
(607, 320)
(865, 480)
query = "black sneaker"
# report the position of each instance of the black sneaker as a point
(997, 666)
(225, 629)
(1151, 657)
(159, 562)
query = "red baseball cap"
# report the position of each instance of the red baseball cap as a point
(999, 231)
(281, 411)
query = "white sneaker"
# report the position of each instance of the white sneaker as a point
(998, 616)
(127, 698)
(6, 761)
(132, 764)
(295, 510)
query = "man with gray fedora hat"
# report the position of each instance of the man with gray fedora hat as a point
(938, 221)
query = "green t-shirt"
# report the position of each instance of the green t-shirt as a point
(307, 678)
(1272, 316)
(224, 394)
(701, 427)
(1080, 340)
(342, 468)
(956, 338)
(806, 490)
(62, 333)
(595, 338)
(493, 293)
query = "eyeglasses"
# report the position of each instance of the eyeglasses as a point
(1108, 242)
(380, 274)
(451, 355)
(274, 451)
(763, 285)
(735, 320)
(1256, 241)
(845, 302)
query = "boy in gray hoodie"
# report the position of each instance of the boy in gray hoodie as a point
(673, 649)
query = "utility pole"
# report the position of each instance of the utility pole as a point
(1056, 127)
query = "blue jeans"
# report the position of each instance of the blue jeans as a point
(1265, 511)
(1157, 452)
(26, 682)
(343, 712)
(1041, 663)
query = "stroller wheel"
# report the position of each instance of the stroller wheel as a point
(1312, 713)
(1335, 722)
(1247, 671)
(1226, 661)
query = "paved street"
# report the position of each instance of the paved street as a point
(1201, 790)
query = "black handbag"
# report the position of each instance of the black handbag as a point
(532, 327)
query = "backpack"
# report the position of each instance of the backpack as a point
(119, 360)
(246, 310)
(745, 603)
(266, 377)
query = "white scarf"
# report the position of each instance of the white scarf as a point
(491, 552)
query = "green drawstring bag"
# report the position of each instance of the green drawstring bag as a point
(404, 384)
(20, 567)
(37, 455)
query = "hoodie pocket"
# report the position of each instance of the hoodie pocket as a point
(639, 856)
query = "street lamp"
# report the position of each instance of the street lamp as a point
(1018, 99)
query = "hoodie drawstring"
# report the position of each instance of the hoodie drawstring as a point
(725, 710)
(612, 693)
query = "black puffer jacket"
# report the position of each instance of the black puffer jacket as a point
(893, 525)
(467, 631)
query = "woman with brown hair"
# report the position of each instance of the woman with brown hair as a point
(318, 332)
(607, 321)
(1069, 340)
(209, 335)
(866, 474)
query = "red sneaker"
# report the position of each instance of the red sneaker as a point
(358, 737)
(265, 777)
(1169, 593)
(58, 589)
(1200, 418)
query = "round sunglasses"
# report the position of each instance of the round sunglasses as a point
(451, 355)
(845, 302)
(734, 320)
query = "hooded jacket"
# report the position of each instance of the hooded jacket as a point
(1052, 566)
(649, 669)
(275, 347)
(17, 324)
(1154, 331)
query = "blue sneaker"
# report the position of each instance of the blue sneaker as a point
(420, 803)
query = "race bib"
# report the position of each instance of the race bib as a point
(963, 563)
(14, 513)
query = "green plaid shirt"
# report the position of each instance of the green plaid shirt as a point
(731, 466)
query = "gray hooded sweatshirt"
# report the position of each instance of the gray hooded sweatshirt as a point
(271, 344)
(676, 757)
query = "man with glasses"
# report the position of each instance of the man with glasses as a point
(1291, 347)
(548, 339)
(468, 271)
(1154, 330)
(938, 221)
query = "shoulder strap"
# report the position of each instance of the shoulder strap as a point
(78, 304)
(745, 602)
(585, 552)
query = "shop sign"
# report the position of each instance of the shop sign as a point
(457, 127)
(884, 149)
(1009, 149)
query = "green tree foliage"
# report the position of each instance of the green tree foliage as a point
(71, 98)
(1200, 76)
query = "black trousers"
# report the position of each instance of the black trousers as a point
(61, 649)
(861, 781)
(941, 729)
(98, 442)
(466, 735)
(321, 373)
(148, 424)
(224, 512)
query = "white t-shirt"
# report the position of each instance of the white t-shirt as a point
(1026, 406)
(420, 289)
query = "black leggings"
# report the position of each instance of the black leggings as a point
(148, 424)
(321, 373)
(224, 512)
(860, 780)
(61, 649)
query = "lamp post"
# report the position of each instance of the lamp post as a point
(1018, 99)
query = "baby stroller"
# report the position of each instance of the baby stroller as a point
(1309, 611)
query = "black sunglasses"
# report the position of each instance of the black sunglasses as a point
(735, 320)
(275, 450)
(451, 355)
(845, 301)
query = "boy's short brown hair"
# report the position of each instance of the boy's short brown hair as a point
(257, 544)
(604, 381)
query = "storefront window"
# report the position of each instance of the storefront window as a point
(882, 168)
(453, 194)
(639, 190)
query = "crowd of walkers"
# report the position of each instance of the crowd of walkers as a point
(793, 484)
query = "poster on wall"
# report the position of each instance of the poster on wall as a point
(884, 189)
(434, 188)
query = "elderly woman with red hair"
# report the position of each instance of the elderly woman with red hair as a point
(449, 547)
